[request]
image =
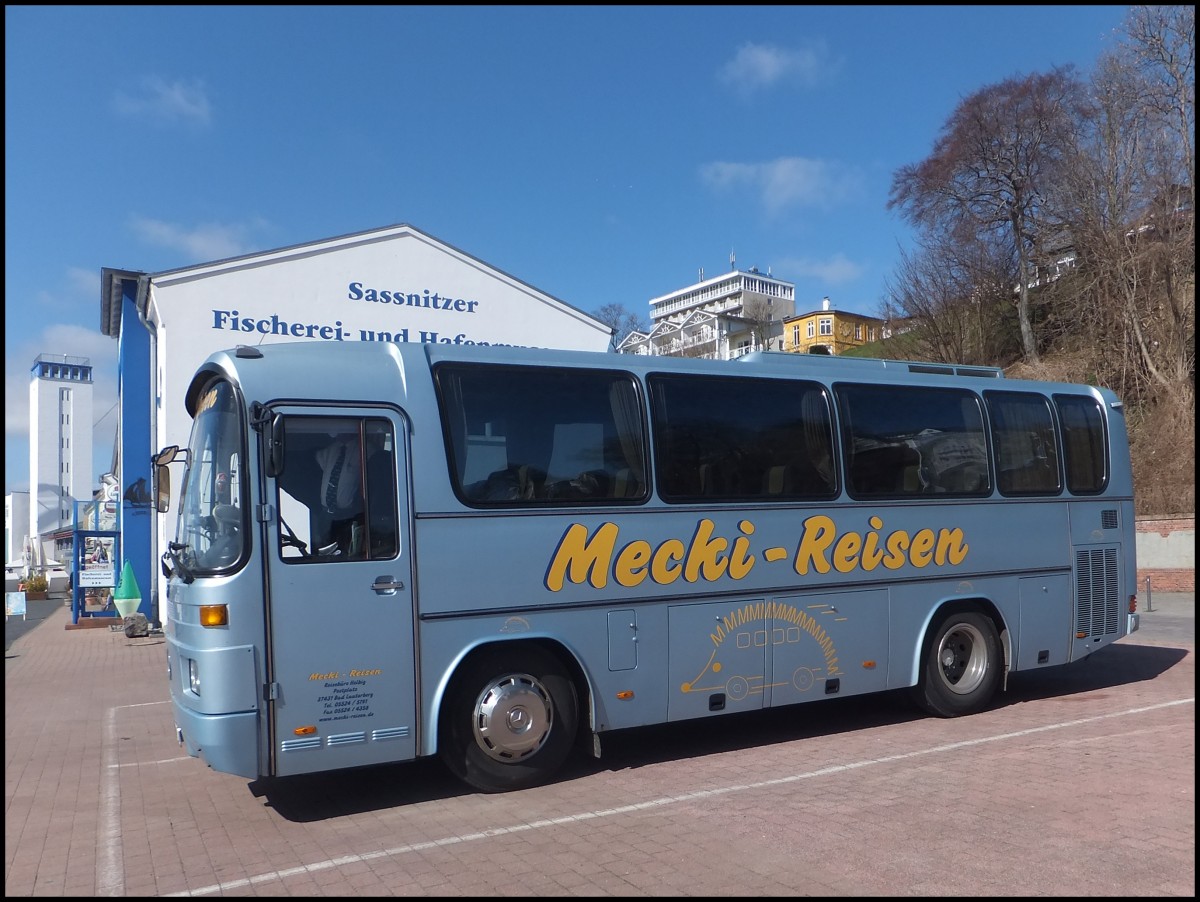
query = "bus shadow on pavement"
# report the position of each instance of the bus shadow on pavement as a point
(1114, 665)
(697, 738)
(317, 797)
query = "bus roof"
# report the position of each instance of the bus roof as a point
(785, 359)
(361, 362)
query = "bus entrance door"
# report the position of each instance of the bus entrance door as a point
(341, 684)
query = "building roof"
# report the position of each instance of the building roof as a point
(111, 279)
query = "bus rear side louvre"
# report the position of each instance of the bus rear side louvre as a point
(1098, 601)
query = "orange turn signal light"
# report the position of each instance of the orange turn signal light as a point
(214, 615)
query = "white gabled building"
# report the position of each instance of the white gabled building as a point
(393, 284)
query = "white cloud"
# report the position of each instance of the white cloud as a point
(836, 270)
(758, 66)
(84, 282)
(79, 291)
(164, 101)
(202, 243)
(787, 182)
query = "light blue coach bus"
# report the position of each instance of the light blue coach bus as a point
(495, 555)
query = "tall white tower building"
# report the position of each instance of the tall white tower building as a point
(60, 444)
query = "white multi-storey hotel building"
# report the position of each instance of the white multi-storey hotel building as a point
(718, 318)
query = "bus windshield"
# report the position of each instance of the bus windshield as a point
(211, 530)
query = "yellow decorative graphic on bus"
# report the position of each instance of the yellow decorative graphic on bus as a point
(595, 558)
(752, 624)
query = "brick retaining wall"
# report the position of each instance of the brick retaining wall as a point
(1166, 581)
(1164, 541)
(1164, 525)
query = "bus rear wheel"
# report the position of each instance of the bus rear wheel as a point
(509, 720)
(961, 666)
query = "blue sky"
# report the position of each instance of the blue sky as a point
(601, 154)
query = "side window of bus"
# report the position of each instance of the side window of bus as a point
(1085, 450)
(912, 440)
(542, 436)
(336, 497)
(1023, 442)
(728, 438)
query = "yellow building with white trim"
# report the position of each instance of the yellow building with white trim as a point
(829, 331)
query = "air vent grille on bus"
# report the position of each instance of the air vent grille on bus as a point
(346, 739)
(1108, 519)
(1097, 602)
(389, 733)
(300, 745)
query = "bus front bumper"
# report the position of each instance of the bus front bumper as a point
(225, 742)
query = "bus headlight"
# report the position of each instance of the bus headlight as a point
(193, 676)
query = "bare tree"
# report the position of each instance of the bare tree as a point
(1126, 202)
(1097, 197)
(756, 314)
(1098, 181)
(620, 320)
(952, 301)
(1162, 46)
(990, 169)
(1128, 195)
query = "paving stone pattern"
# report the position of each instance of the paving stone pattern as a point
(1079, 782)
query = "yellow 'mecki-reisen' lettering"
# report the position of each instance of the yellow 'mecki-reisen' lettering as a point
(822, 546)
(592, 559)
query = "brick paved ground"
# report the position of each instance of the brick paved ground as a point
(1081, 782)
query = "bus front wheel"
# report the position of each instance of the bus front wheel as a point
(961, 666)
(509, 720)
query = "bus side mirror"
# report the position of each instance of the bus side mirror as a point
(165, 456)
(162, 488)
(162, 476)
(275, 445)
